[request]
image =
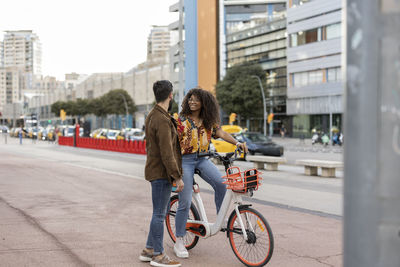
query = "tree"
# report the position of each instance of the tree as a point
(82, 107)
(114, 101)
(59, 105)
(97, 106)
(240, 93)
(56, 107)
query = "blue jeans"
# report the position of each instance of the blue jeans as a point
(210, 174)
(160, 193)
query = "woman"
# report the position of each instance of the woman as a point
(197, 123)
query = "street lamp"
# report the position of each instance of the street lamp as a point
(126, 109)
(30, 96)
(264, 105)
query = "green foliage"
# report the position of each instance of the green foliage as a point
(56, 107)
(114, 102)
(240, 93)
(174, 108)
(98, 107)
(110, 103)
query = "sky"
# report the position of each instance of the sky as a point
(88, 36)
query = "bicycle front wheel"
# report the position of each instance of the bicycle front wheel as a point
(189, 239)
(258, 248)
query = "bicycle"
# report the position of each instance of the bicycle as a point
(249, 233)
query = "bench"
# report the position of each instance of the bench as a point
(272, 162)
(328, 167)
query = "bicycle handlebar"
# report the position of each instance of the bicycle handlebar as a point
(228, 156)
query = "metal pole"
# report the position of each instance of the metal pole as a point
(264, 105)
(181, 50)
(330, 118)
(271, 111)
(372, 136)
(126, 109)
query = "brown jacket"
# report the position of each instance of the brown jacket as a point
(164, 159)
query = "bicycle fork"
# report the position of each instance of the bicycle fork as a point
(241, 222)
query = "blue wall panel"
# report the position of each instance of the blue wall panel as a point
(191, 63)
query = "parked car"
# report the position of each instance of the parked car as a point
(100, 133)
(135, 134)
(112, 134)
(259, 143)
(51, 134)
(4, 129)
(256, 142)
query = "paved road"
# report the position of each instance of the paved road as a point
(62, 206)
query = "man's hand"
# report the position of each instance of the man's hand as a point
(179, 185)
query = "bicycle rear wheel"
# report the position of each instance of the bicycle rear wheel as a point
(190, 239)
(258, 249)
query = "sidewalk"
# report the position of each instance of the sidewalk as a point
(74, 207)
(297, 144)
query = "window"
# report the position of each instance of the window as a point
(334, 74)
(315, 35)
(307, 78)
(333, 31)
(176, 67)
(311, 36)
(315, 77)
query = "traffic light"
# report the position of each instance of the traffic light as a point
(270, 117)
(63, 115)
(232, 118)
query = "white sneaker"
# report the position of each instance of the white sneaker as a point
(179, 248)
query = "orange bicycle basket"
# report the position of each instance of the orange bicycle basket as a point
(241, 182)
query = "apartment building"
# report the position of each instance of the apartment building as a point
(176, 59)
(158, 43)
(1, 54)
(20, 64)
(314, 55)
(23, 49)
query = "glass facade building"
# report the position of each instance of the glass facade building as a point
(264, 44)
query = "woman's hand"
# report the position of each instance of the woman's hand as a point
(243, 147)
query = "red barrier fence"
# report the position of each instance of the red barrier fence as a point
(135, 147)
(66, 141)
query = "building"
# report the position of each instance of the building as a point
(176, 59)
(158, 43)
(23, 49)
(138, 82)
(264, 44)
(1, 55)
(20, 64)
(314, 55)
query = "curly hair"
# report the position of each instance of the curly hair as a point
(209, 112)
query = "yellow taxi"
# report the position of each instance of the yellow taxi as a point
(222, 146)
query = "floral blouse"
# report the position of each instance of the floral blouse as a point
(192, 138)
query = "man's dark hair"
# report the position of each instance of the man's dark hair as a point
(161, 90)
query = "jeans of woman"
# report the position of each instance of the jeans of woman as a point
(210, 174)
(160, 194)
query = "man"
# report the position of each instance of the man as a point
(163, 166)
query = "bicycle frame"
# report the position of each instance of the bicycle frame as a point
(214, 228)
